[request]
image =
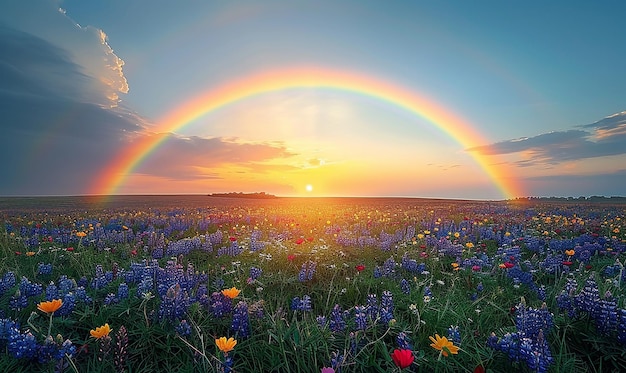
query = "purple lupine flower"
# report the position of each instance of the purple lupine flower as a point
(183, 328)
(52, 292)
(454, 335)
(360, 318)
(606, 317)
(403, 341)
(303, 304)
(337, 321)
(405, 286)
(255, 273)
(122, 290)
(241, 321)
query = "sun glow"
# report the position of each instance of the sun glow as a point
(309, 188)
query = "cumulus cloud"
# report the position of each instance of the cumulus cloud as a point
(62, 118)
(86, 47)
(606, 137)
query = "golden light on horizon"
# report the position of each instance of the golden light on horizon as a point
(309, 188)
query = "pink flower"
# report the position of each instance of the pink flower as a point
(327, 370)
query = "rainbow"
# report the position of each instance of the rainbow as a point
(114, 174)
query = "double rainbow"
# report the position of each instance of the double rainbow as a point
(113, 176)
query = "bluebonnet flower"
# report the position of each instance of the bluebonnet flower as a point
(52, 292)
(21, 345)
(18, 301)
(303, 304)
(175, 303)
(321, 321)
(69, 302)
(428, 294)
(606, 316)
(255, 273)
(454, 335)
(621, 326)
(378, 272)
(30, 289)
(588, 298)
(219, 304)
(81, 295)
(183, 329)
(307, 271)
(110, 299)
(337, 319)
(405, 286)
(403, 341)
(371, 307)
(145, 286)
(122, 290)
(100, 280)
(7, 282)
(241, 321)
(336, 361)
(360, 318)
(530, 321)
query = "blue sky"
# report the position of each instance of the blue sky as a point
(543, 83)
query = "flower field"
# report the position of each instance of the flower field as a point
(207, 284)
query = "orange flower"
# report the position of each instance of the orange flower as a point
(81, 234)
(225, 345)
(100, 331)
(50, 306)
(444, 345)
(570, 252)
(30, 253)
(231, 293)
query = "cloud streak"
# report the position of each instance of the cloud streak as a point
(606, 137)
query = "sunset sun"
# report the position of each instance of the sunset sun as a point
(309, 188)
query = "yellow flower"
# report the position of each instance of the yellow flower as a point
(444, 345)
(225, 345)
(231, 293)
(100, 331)
(81, 234)
(50, 306)
(570, 252)
(30, 253)
(469, 245)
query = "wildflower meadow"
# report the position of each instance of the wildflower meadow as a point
(208, 284)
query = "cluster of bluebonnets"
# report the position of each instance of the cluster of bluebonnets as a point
(567, 262)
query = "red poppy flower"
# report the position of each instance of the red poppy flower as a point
(360, 267)
(509, 265)
(233, 239)
(299, 240)
(133, 252)
(291, 257)
(567, 263)
(402, 358)
(310, 239)
(18, 253)
(70, 249)
(479, 369)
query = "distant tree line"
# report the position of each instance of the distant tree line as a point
(243, 195)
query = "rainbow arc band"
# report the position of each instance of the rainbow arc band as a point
(116, 171)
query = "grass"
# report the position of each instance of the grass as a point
(342, 236)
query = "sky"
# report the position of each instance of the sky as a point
(438, 99)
